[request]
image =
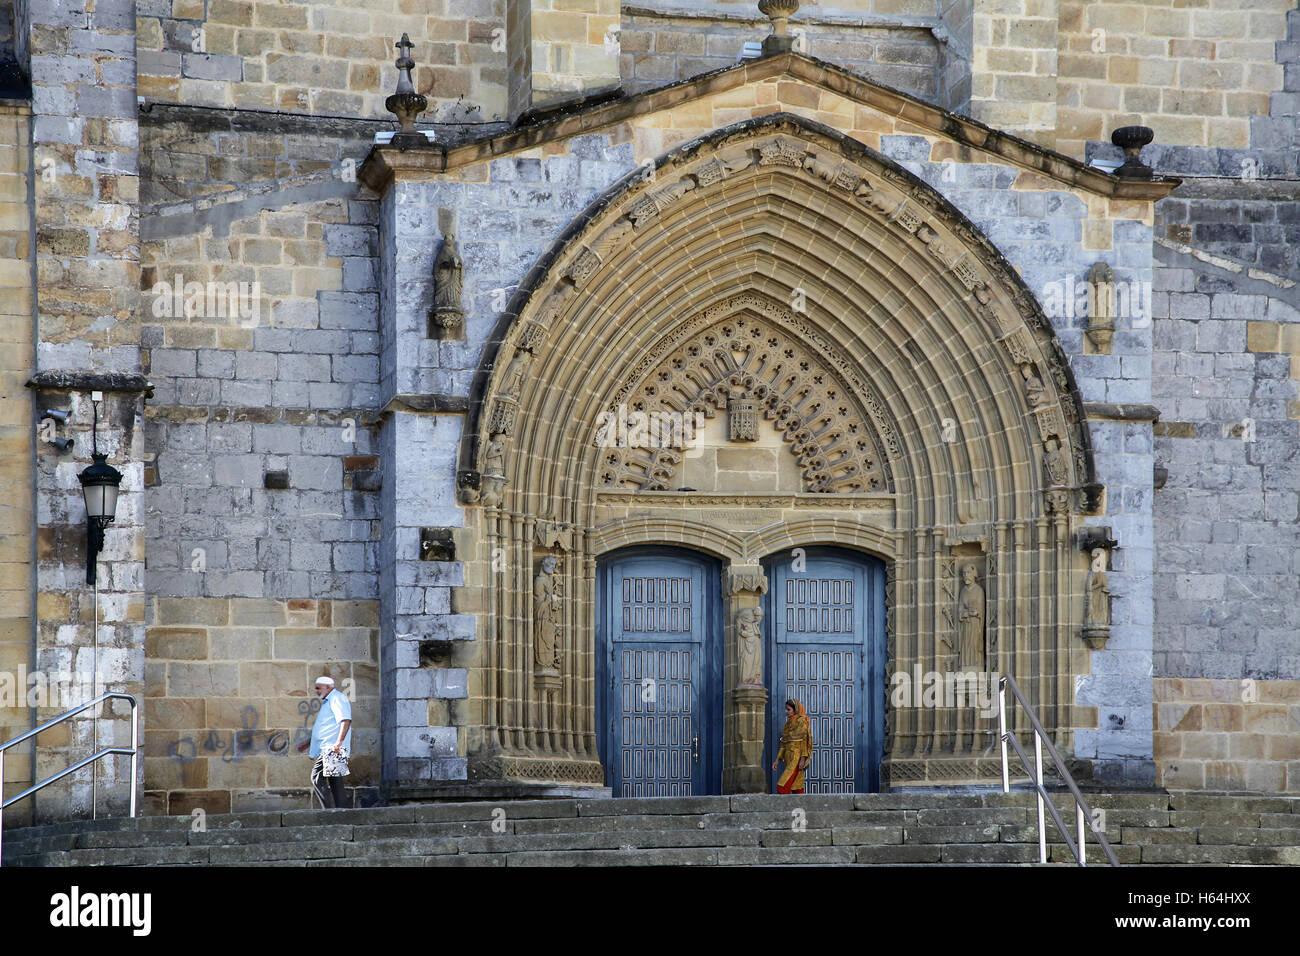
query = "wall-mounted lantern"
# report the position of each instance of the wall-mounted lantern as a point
(99, 484)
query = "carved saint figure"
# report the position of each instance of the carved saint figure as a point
(513, 380)
(493, 479)
(1035, 391)
(449, 280)
(1098, 599)
(546, 615)
(1054, 459)
(970, 621)
(749, 639)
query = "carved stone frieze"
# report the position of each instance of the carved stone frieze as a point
(744, 363)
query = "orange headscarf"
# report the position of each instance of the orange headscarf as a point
(796, 737)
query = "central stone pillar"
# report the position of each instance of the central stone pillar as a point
(746, 714)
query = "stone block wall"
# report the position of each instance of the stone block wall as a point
(18, 441)
(1014, 67)
(1228, 734)
(229, 699)
(262, 469)
(1196, 74)
(86, 187)
(661, 48)
(322, 58)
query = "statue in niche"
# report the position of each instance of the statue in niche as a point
(1098, 599)
(749, 641)
(1054, 459)
(494, 463)
(449, 281)
(546, 616)
(1101, 308)
(970, 621)
(512, 382)
(1034, 389)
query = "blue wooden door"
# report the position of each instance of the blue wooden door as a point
(661, 670)
(826, 649)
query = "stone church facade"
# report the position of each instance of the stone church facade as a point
(642, 379)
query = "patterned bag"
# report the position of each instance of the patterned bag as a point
(335, 764)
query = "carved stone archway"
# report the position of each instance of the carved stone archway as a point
(794, 283)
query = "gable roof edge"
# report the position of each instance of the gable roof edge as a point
(383, 162)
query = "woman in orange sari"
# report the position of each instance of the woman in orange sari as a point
(796, 748)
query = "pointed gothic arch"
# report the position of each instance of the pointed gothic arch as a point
(785, 274)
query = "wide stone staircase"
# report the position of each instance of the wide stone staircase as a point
(944, 828)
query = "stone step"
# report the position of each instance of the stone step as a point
(984, 827)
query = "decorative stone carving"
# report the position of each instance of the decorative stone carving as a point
(742, 418)
(449, 277)
(493, 477)
(749, 644)
(744, 580)
(1096, 614)
(718, 169)
(1057, 501)
(819, 416)
(546, 616)
(405, 103)
(1035, 393)
(1101, 309)
(970, 621)
(780, 152)
(1055, 462)
(653, 203)
(553, 534)
(502, 420)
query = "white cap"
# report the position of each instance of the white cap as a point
(327, 681)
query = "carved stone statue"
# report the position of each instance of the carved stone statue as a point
(749, 641)
(1098, 599)
(449, 280)
(1034, 389)
(512, 382)
(970, 621)
(1101, 308)
(1054, 459)
(494, 463)
(546, 616)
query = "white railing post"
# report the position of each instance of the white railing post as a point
(135, 751)
(1038, 774)
(1002, 727)
(1083, 853)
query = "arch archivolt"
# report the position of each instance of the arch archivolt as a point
(788, 282)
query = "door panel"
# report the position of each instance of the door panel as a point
(827, 650)
(660, 670)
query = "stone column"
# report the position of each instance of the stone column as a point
(746, 714)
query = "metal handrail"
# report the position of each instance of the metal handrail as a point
(1081, 807)
(133, 753)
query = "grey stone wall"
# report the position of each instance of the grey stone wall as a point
(659, 49)
(292, 390)
(503, 226)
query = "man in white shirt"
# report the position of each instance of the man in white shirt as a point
(332, 732)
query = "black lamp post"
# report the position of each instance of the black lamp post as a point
(99, 485)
